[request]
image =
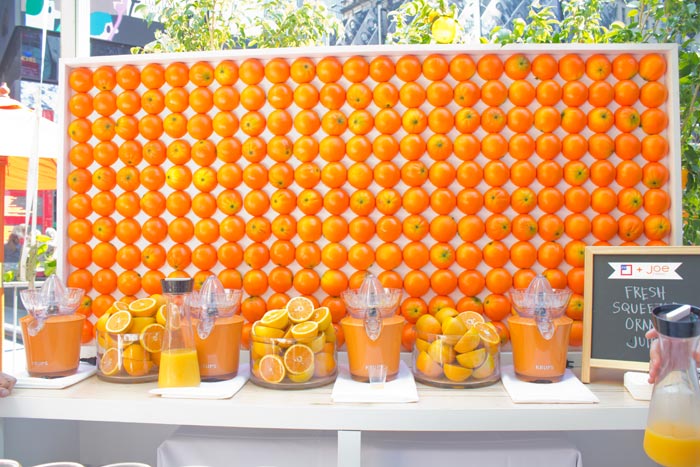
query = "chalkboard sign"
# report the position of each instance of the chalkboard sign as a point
(622, 286)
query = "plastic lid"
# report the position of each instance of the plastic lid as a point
(177, 285)
(683, 327)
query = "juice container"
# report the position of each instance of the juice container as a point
(373, 330)
(51, 331)
(672, 435)
(217, 330)
(179, 366)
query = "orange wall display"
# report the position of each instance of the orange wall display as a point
(453, 173)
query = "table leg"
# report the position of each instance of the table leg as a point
(349, 448)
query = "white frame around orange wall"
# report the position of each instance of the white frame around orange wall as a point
(669, 51)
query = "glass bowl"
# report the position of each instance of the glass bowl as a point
(121, 358)
(470, 360)
(288, 363)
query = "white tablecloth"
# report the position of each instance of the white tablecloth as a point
(223, 447)
(216, 447)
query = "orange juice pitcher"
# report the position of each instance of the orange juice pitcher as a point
(52, 331)
(217, 330)
(179, 366)
(373, 331)
(672, 435)
(540, 334)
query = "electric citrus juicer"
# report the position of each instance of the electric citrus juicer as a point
(540, 332)
(217, 330)
(672, 435)
(52, 331)
(373, 330)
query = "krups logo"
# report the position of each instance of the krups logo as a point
(44, 363)
(210, 365)
(544, 367)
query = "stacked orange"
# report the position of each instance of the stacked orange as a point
(453, 176)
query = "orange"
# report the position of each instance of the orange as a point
(547, 119)
(329, 70)
(388, 228)
(600, 94)
(462, 67)
(573, 120)
(443, 228)
(498, 281)
(355, 69)
(652, 67)
(280, 96)
(470, 228)
(628, 173)
(574, 146)
(630, 227)
(600, 120)
(523, 254)
(490, 67)
(466, 94)
(494, 93)
(470, 201)
(656, 201)
(598, 67)
(335, 228)
(415, 227)
(627, 92)
(603, 200)
(497, 226)
(548, 92)
(381, 69)
(653, 94)
(550, 227)
(604, 227)
(656, 227)
(544, 67)
(416, 283)
(439, 93)
(574, 93)
(467, 120)
(602, 172)
(517, 66)
(471, 282)
(654, 121)
(385, 95)
(251, 71)
(104, 78)
(493, 119)
(577, 199)
(625, 66)
(577, 226)
(571, 67)
(521, 93)
(255, 283)
(654, 175)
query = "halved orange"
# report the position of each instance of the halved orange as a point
(143, 307)
(109, 363)
(152, 336)
(119, 322)
(298, 359)
(300, 309)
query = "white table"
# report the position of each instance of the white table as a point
(486, 409)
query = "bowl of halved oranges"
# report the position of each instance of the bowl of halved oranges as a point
(294, 347)
(456, 350)
(129, 338)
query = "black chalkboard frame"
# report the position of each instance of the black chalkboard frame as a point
(621, 254)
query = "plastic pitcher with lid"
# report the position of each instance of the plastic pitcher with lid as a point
(217, 330)
(52, 330)
(373, 330)
(179, 366)
(672, 435)
(540, 332)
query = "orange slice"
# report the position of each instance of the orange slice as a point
(305, 331)
(322, 316)
(427, 365)
(298, 359)
(101, 323)
(470, 318)
(469, 341)
(260, 330)
(472, 359)
(117, 306)
(488, 335)
(119, 322)
(457, 373)
(277, 319)
(271, 369)
(300, 309)
(151, 337)
(143, 307)
(136, 361)
(160, 314)
(109, 363)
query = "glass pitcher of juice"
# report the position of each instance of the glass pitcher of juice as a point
(672, 436)
(179, 366)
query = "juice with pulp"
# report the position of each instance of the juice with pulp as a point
(178, 368)
(673, 445)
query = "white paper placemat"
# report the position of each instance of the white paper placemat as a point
(85, 370)
(214, 390)
(637, 384)
(401, 390)
(570, 390)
